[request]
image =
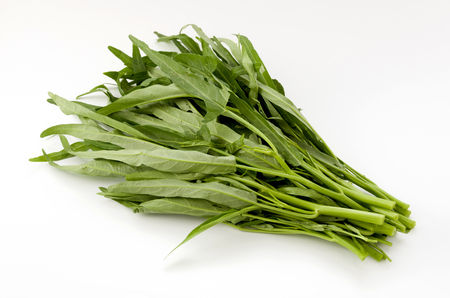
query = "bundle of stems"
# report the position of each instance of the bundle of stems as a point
(207, 132)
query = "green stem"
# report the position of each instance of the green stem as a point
(367, 199)
(373, 187)
(341, 197)
(368, 217)
(351, 193)
(374, 253)
(292, 214)
(364, 185)
(402, 211)
(398, 225)
(337, 196)
(409, 223)
(332, 176)
(350, 245)
(285, 231)
(388, 213)
(385, 229)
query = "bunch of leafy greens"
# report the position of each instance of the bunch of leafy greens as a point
(207, 132)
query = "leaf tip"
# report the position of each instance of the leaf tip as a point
(171, 252)
(132, 38)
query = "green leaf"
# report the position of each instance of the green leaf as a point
(185, 206)
(191, 45)
(213, 96)
(284, 103)
(148, 175)
(279, 87)
(168, 137)
(218, 48)
(274, 97)
(204, 132)
(138, 63)
(71, 108)
(263, 74)
(225, 216)
(100, 88)
(132, 205)
(290, 153)
(223, 73)
(228, 57)
(151, 94)
(233, 47)
(141, 119)
(124, 86)
(121, 80)
(170, 188)
(101, 168)
(175, 41)
(112, 75)
(220, 133)
(206, 65)
(89, 132)
(156, 81)
(206, 50)
(166, 160)
(60, 155)
(126, 196)
(253, 85)
(102, 145)
(236, 145)
(186, 105)
(127, 60)
(88, 121)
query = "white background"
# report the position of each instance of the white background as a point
(373, 78)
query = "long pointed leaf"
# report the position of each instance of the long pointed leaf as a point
(127, 60)
(136, 118)
(71, 108)
(144, 96)
(89, 132)
(214, 98)
(166, 160)
(99, 168)
(190, 44)
(60, 155)
(263, 74)
(212, 222)
(212, 191)
(148, 175)
(289, 152)
(233, 47)
(220, 133)
(138, 63)
(185, 206)
(178, 44)
(221, 51)
(206, 65)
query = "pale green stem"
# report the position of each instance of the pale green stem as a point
(369, 217)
